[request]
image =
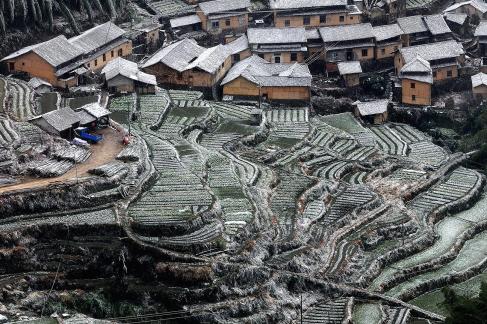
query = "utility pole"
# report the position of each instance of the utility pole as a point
(301, 308)
(128, 117)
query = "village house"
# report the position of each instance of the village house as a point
(239, 49)
(375, 112)
(347, 43)
(314, 13)
(481, 35)
(387, 41)
(61, 122)
(471, 8)
(278, 45)
(124, 76)
(40, 86)
(185, 64)
(443, 57)
(350, 73)
(185, 24)
(479, 85)
(93, 115)
(147, 34)
(458, 22)
(221, 16)
(257, 78)
(61, 61)
(416, 78)
(423, 29)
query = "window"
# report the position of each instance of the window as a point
(383, 51)
(261, 56)
(180, 76)
(236, 57)
(351, 18)
(113, 53)
(120, 52)
(413, 85)
(365, 52)
(449, 73)
(323, 19)
(88, 65)
(96, 62)
(294, 57)
(342, 18)
(287, 22)
(334, 55)
(306, 21)
(23, 63)
(434, 74)
(104, 57)
(413, 98)
(277, 59)
(227, 22)
(215, 24)
(11, 66)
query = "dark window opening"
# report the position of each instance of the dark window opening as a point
(287, 22)
(365, 52)
(342, 18)
(227, 22)
(413, 97)
(236, 57)
(306, 21)
(323, 19)
(413, 85)
(294, 57)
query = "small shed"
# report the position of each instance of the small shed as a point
(124, 76)
(373, 111)
(479, 85)
(59, 122)
(40, 86)
(99, 115)
(350, 73)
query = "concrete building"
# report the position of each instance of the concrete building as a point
(222, 16)
(314, 13)
(255, 77)
(375, 112)
(124, 76)
(186, 64)
(278, 45)
(350, 73)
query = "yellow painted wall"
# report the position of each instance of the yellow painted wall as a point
(285, 57)
(386, 51)
(98, 63)
(422, 91)
(331, 20)
(245, 88)
(239, 22)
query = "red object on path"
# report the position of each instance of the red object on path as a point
(126, 140)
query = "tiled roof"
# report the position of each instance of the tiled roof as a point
(386, 32)
(458, 18)
(96, 110)
(481, 29)
(239, 45)
(412, 24)
(120, 66)
(372, 107)
(266, 74)
(353, 67)
(37, 82)
(177, 55)
(479, 79)
(97, 37)
(477, 4)
(418, 69)
(346, 33)
(61, 119)
(211, 7)
(211, 59)
(436, 24)
(432, 51)
(184, 21)
(277, 35)
(297, 4)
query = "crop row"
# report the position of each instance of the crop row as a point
(409, 134)
(327, 312)
(7, 133)
(48, 167)
(361, 153)
(182, 103)
(231, 110)
(185, 95)
(428, 153)
(287, 115)
(332, 171)
(21, 98)
(297, 130)
(389, 141)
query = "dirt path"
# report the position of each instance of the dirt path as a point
(101, 153)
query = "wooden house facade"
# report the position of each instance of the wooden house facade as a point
(416, 81)
(387, 41)
(479, 85)
(223, 16)
(421, 29)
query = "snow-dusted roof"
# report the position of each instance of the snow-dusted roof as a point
(277, 35)
(312, 33)
(479, 79)
(436, 24)
(418, 69)
(297, 4)
(433, 51)
(211, 59)
(61, 119)
(457, 18)
(478, 5)
(56, 51)
(346, 33)
(97, 37)
(147, 26)
(177, 55)
(120, 66)
(266, 74)
(184, 21)
(386, 32)
(37, 82)
(96, 110)
(481, 29)
(352, 67)
(239, 45)
(372, 107)
(216, 6)
(84, 117)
